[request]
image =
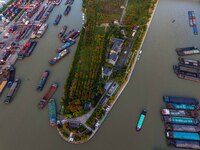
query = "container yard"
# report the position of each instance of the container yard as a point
(180, 121)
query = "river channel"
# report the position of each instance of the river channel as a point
(24, 127)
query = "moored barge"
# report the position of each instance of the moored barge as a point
(43, 80)
(180, 127)
(67, 45)
(180, 100)
(47, 96)
(141, 120)
(179, 113)
(191, 62)
(184, 144)
(187, 51)
(191, 136)
(180, 120)
(59, 56)
(62, 31)
(182, 106)
(52, 113)
(12, 91)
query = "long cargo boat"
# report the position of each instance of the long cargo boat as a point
(12, 74)
(180, 100)
(73, 36)
(32, 47)
(57, 20)
(47, 96)
(187, 51)
(59, 56)
(65, 36)
(191, 136)
(67, 10)
(182, 106)
(180, 120)
(184, 144)
(3, 85)
(190, 15)
(43, 80)
(180, 127)
(62, 31)
(67, 45)
(12, 91)
(179, 113)
(190, 62)
(141, 120)
(52, 113)
(187, 73)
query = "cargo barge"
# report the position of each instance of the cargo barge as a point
(190, 15)
(179, 113)
(72, 36)
(182, 106)
(43, 80)
(184, 144)
(62, 31)
(43, 102)
(67, 45)
(187, 72)
(185, 128)
(57, 20)
(59, 56)
(65, 36)
(180, 120)
(190, 62)
(12, 91)
(191, 136)
(70, 2)
(180, 100)
(141, 120)
(12, 74)
(52, 113)
(67, 10)
(187, 51)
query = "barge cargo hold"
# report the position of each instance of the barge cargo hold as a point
(67, 45)
(43, 80)
(12, 91)
(43, 102)
(191, 62)
(141, 120)
(184, 144)
(62, 31)
(67, 10)
(180, 120)
(57, 20)
(181, 106)
(52, 113)
(59, 56)
(191, 136)
(180, 100)
(187, 51)
(179, 113)
(184, 128)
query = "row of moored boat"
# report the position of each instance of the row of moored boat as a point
(180, 117)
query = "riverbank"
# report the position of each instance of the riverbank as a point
(122, 87)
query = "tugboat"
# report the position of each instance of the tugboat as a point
(141, 120)
(59, 56)
(43, 80)
(57, 20)
(52, 113)
(62, 31)
(47, 96)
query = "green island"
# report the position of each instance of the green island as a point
(108, 48)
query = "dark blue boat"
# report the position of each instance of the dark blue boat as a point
(57, 20)
(31, 48)
(180, 100)
(67, 10)
(43, 80)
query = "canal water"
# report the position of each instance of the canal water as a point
(24, 127)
